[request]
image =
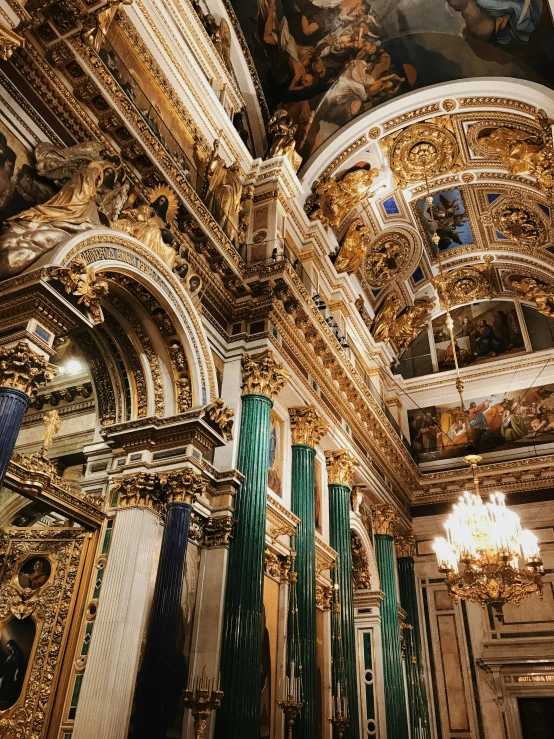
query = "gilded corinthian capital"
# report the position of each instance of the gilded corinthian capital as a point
(262, 374)
(306, 426)
(183, 486)
(341, 466)
(405, 545)
(23, 369)
(384, 519)
(143, 490)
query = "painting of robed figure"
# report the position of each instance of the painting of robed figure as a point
(16, 644)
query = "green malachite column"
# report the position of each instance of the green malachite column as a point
(384, 518)
(417, 694)
(340, 468)
(239, 714)
(307, 430)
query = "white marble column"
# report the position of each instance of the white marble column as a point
(104, 707)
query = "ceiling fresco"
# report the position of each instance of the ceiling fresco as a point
(328, 61)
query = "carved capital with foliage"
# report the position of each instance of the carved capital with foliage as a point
(262, 374)
(218, 531)
(341, 465)
(307, 427)
(183, 486)
(405, 545)
(384, 519)
(143, 490)
(23, 369)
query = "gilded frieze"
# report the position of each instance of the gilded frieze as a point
(386, 258)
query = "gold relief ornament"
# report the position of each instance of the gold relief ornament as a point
(353, 247)
(520, 222)
(272, 564)
(384, 519)
(218, 531)
(183, 486)
(79, 280)
(143, 490)
(262, 374)
(360, 564)
(464, 285)
(150, 223)
(405, 545)
(410, 324)
(222, 416)
(341, 466)
(423, 150)
(323, 595)
(9, 42)
(23, 369)
(386, 258)
(283, 144)
(306, 426)
(336, 198)
(533, 291)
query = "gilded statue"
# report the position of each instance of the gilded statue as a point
(410, 324)
(283, 143)
(401, 330)
(104, 20)
(30, 234)
(382, 323)
(150, 223)
(533, 291)
(336, 198)
(353, 247)
(221, 38)
(223, 187)
(222, 416)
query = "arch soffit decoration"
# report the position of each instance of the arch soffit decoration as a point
(122, 254)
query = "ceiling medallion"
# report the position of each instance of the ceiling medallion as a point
(423, 150)
(520, 222)
(386, 258)
(464, 285)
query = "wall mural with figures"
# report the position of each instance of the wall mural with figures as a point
(328, 61)
(497, 422)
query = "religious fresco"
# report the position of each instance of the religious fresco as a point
(20, 185)
(328, 61)
(450, 217)
(482, 331)
(511, 420)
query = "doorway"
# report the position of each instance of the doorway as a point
(537, 717)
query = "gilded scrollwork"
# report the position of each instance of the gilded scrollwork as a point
(80, 280)
(21, 368)
(521, 222)
(335, 198)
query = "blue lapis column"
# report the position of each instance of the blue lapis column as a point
(161, 664)
(21, 371)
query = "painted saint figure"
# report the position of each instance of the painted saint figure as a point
(12, 673)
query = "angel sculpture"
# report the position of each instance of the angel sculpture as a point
(530, 290)
(383, 321)
(221, 38)
(335, 198)
(150, 223)
(283, 142)
(32, 233)
(410, 324)
(353, 247)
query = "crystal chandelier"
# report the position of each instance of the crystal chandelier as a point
(487, 557)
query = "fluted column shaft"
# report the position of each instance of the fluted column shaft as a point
(303, 506)
(106, 695)
(239, 715)
(417, 693)
(13, 404)
(395, 698)
(160, 666)
(339, 521)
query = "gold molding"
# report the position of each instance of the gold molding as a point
(307, 427)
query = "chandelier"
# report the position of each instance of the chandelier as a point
(487, 557)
